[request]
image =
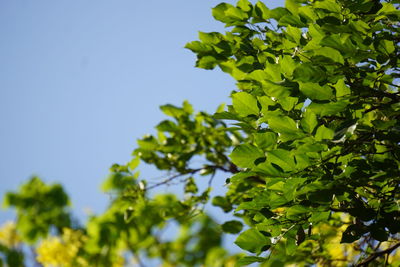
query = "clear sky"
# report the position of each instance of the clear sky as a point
(80, 81)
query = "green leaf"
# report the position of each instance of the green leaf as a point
(276, 90)
(265, 103)
(316, 32)
(283, 124)
(293, 6)
(306, 72)
(291, 20)
(229, 14)
(329, 5)
(302, 161)
(220, 108)
(330, 53)
(334, 41)
(249, 260)
(256, 203)
(309, 121)
(244, 5)
(282, 158)
(210, 37)
(267, 169)
(244, 155)
(235, 14)
(262, 11)
(207, 62)
(218, 12)
(240, 177)
(198, 47)
(318, 217)
(232, 227)
(288, 103)
(187, 107)
(327, 109)
(167, 126)
(297, 211)
(266, 140)
(245, 104)
(290, 186)
(172, 111)
(314, 91)
(342, 89)
(277, 200)
(288, 65)
(386, 46)
(324, 133)
(148, 143)
(257, 75)
(273, 72)
(252, 240)
(278, 13)
(294, 33)
(134, 163)
(221, 202)
(190, 186)
(225, 115)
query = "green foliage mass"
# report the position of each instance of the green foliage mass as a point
(310, 145)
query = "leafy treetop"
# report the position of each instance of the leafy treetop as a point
(310, 145)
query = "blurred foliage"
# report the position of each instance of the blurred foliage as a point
(310, 144)
(37, 198)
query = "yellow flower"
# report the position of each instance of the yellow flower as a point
(52, 252)
(8, 235)
(119, 262)
(61, 251)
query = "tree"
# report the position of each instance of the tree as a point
(310, 145)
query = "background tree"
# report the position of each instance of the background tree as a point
(310, 145)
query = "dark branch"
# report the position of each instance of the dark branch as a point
(170, 179)
(189, 172)
(378, 254)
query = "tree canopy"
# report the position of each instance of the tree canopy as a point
(309, 148)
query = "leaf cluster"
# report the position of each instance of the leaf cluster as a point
(310, 143)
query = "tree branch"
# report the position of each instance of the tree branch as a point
(193, 171)
(375, 255)
(166, 181)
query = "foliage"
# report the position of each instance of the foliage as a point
(35, 197)
(310, 145)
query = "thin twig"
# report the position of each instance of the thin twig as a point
(190, 171)
(166, 181)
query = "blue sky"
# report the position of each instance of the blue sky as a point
(80, 81)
